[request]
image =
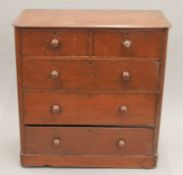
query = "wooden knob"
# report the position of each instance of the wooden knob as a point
(54, 43)
(123, 108)
(126, 76)
(127, 43)
(121, 143)
(55, 109)
(56, 141)
(54, 74)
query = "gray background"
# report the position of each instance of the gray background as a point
(171, 142)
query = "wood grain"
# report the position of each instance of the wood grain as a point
(88, 141)
(144, 43)
(90, 86)
(90, 74)
(112, 161)
(91, 19)
(37, 43)
(90, 109)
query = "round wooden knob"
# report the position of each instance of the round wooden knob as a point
(121, 143)
(123, 108)
(127, 43)
(126, 76)
(55, 109)
(54, 74)
(54, 43)
(56, 141)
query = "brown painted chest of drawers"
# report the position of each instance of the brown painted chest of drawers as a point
(90, 87)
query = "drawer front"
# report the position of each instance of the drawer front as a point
(90, 74)
(89, 109)
(88, 141)
(49, 43)
(129, 44)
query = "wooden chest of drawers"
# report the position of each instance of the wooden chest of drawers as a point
(90, 87)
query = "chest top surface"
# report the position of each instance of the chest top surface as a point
(91, 19)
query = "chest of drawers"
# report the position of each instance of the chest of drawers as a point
(90, 87)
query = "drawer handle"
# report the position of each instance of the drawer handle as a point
(54, 74)
(126, 76)
(127, 43)
(121, 143)
(123, 108)
(56, 109)
(56, 141)
(54, 43)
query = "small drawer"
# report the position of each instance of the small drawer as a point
(88, 141)
(83, 74)
(89, 109)
(129, 43)
(58, 42)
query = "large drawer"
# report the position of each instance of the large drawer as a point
(88, 141)
(54, 42)
(89, 109)
(88, 74)
(129, 44)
